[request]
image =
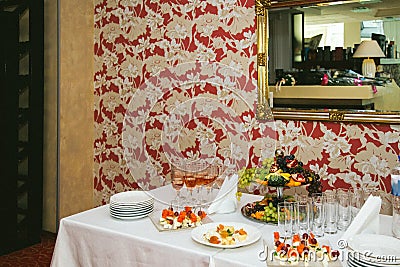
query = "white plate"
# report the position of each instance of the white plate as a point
(133, 213)
(130, 197)
(144, 205)
(378, 245)
(137, 209)
(363, 261)
(147, 202)
(130, 217)
(136, 205)
(253, 234)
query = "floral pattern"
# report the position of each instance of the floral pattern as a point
(136, 41)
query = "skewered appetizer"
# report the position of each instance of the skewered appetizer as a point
(186, 218)
(303, 249)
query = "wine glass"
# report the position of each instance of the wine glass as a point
(190, 182)
(209, 179)
(200, 176)
(177, 182)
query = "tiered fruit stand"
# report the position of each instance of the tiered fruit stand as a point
(280, 172)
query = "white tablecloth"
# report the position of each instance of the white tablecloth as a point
(94, 238)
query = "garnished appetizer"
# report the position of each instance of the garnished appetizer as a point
(303, 248)
(225, 235)
(186, 218)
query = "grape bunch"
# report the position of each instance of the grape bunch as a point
(267, 163)
(246, 176)
(289, 164)
(282, 162)
(270, 213)
(315, 186)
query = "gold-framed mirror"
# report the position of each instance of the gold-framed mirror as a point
(262, 9)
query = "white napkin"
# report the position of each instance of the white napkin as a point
(225, 201)
(367, 219)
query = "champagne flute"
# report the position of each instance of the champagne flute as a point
(200, 175)
(209, 180)
(177, 182)
(190, 182)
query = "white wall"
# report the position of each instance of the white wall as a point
(352, 34)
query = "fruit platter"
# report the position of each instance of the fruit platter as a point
(264, 210)
(280, 172)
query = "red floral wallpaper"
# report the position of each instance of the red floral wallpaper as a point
(153, 57)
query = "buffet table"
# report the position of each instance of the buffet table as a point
(94, 238)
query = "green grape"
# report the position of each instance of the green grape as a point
(246, 176)
(267, 163)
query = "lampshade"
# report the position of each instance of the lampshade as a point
(369, 48)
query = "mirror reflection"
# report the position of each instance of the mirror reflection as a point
(322, 64)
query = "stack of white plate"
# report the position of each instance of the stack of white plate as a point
(131, 205)
(371, 250)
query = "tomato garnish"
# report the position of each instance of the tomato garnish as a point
(293, 253)
(214, 240)
(193, 217)
(276, 236)
(296, 238)
(300, 248)
(280, 246)
(164, 213)
(187, 208)
(242, 232)
(328, 248)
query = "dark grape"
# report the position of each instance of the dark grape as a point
(305, 236)
(277, 243)
(281, 161)
(335, 253)
(176, 213)
(291, 157)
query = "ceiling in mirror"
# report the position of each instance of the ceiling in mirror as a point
(352, 11)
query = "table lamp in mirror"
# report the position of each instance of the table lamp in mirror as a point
(369, 49)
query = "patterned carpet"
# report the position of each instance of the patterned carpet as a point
(38, 255)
